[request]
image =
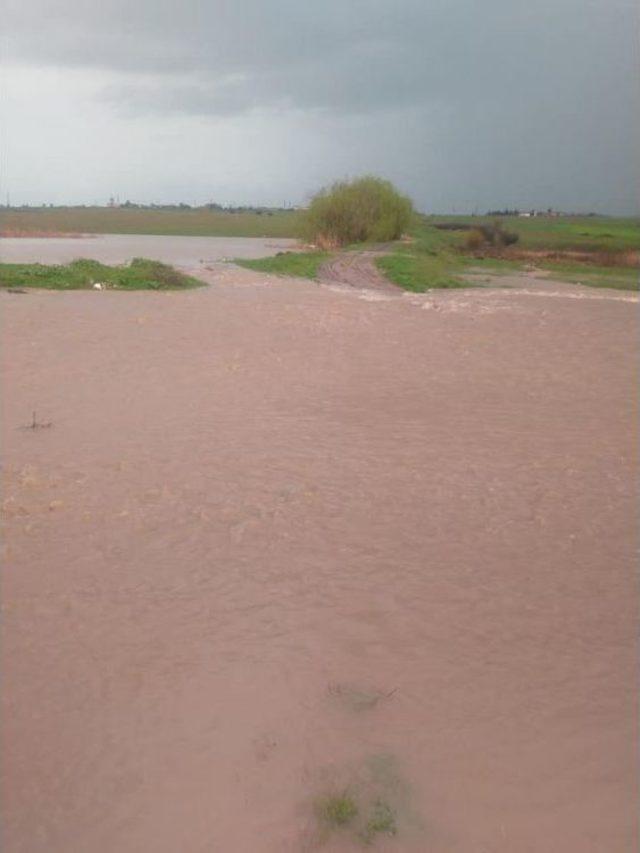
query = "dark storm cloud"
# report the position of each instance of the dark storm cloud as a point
(358, 55)
(519, 81)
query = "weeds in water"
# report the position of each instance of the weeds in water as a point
(365, 824)
(337, 810)
(359, 698)
(36, 424)
(382, 821)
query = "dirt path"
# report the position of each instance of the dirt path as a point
(282, 541)
(356, 269)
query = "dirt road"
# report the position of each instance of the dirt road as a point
(356, 269)
(283, 541)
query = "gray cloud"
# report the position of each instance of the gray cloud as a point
(534, 96)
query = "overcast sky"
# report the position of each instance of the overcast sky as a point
(464, 104)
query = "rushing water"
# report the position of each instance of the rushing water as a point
(280, 543)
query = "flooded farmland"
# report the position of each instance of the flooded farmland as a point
(288, 569)
(192, 252)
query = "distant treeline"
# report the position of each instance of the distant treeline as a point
(505, 212)
(548, 212)
(131, 205)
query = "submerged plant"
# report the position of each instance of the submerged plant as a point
(337, 810)
(382, 821)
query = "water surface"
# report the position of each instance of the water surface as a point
(121, 248)
(280, 542)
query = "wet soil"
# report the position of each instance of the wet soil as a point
(356, 269)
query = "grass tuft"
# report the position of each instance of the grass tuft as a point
(299, 264)
(419, 272)
(83, 274)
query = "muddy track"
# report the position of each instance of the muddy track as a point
(357, 269)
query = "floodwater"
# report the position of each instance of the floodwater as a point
(281, 542)
(193, 252)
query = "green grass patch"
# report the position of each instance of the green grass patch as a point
(299, 264)
(437, 259)
(618, 278)
(430, 260)
(419, 272)
(493, 266)
(82, 274)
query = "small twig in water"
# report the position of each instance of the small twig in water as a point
(36, 424)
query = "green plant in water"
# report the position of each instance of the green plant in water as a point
(382, 821)
(337, 810)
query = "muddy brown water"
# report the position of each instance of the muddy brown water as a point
(283, 541)
(122, 248)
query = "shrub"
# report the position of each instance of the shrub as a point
(509, 238)
(475, 240)
(452, 226)
(366, 209)
(490, 236)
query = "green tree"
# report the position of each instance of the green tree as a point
(367, 209)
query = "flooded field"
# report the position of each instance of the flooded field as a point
(291, 568)
(121, 248)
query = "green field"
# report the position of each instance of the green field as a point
(436, 257)
(579, 233)
(197, 222)
(140, 274)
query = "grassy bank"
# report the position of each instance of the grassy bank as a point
(300, 264)
(437, 257)
(140, 274)
(431, 260)
(197, 222)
